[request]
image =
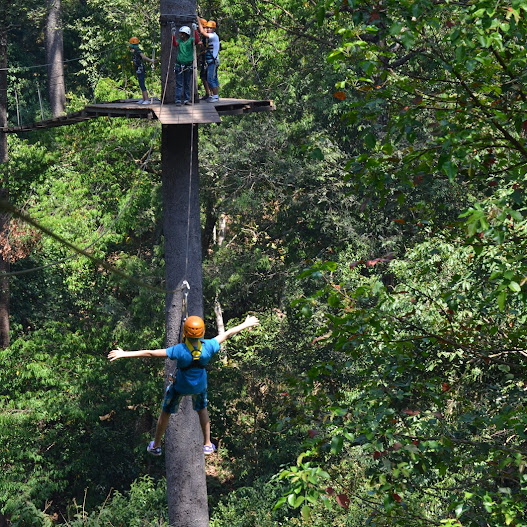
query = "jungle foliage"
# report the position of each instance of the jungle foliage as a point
(375, 223)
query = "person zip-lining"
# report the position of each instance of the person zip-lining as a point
(190, 377)
(137, 59)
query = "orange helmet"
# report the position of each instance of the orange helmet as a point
(211, 24)
(194, 328)
(203, 22)
(134, 40)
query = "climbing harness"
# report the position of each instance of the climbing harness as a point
(195, 351)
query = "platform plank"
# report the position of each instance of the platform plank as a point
(202, 113)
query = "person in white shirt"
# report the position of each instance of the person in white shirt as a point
(212, 57)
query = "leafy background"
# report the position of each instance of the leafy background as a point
(375, 223)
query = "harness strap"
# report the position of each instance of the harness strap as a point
(195, 351)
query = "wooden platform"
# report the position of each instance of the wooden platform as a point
(199, 113)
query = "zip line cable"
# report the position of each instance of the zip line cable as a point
(8, 207)
(78, 251)
(36, 66)
(192, 96)
(104, 233)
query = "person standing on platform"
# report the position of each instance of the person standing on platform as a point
(203, 63)
(137, 59)
(212, 57)
(184, 67)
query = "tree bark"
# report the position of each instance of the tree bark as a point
(4, 217)
(4, 280)
(185, 462)
(55, 58)
(3, 83)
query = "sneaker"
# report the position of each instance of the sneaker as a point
(187, 103)
(209, 449)
(148, 101)
(154, 451)
(178, 103)
(214, 98)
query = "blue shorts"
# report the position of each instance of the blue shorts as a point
(173, 398)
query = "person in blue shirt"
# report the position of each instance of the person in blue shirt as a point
(190, 378)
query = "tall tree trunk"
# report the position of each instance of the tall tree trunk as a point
(4, 217)
(4, 280)
(3, 82)
(55, 58)
(185, 462)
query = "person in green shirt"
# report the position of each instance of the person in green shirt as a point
(184, 66)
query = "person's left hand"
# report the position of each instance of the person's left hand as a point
(251, 321)
(116, 354)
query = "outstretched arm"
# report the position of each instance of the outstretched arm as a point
(201, 28)
(121, 354)
(148, 59)
(248, 323)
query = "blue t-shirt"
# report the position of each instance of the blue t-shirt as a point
(193, 380)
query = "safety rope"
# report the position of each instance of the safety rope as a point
(192, 91)
(14, 69)
(168, 72)
(104, 233)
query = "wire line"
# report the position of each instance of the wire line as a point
(104, 233)
(6, 206)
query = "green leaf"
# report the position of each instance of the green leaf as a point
(408, 39)
(298, 501)
(317, 154)
(396, 28)
(280, 502)
(370, 141)
(321, 15)
(450, 169)
(336, 444)
(501, 300)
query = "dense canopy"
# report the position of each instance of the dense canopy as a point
(375, 223)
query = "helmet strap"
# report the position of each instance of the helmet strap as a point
(195, 351)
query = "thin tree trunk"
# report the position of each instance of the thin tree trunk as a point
(3, 84)
(4, 217)
(221, 229)
(219, 315)
(4, 280)
(185, 462)
(55, 58)
(218, 311)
